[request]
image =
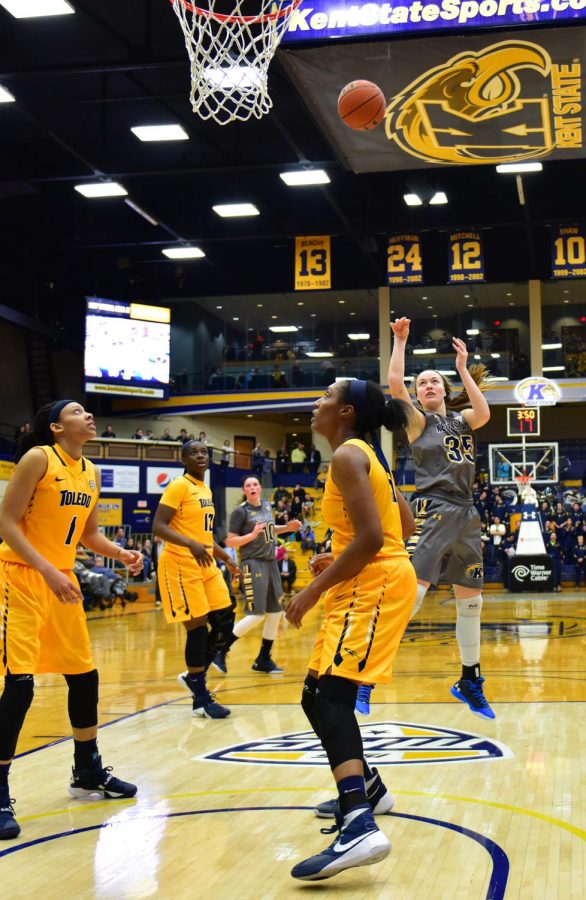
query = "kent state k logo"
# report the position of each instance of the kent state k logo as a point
(476, 108)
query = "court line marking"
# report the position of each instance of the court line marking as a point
(498, 857)
(579, 833)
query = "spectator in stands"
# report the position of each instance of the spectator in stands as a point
(507, 552)
(182, 436)
(555, 553)
(281, 517)
(225, 458)
(281, 494)
(547, 530)
(109, 432)
(307, 536)
(320, 480)
(560, 515)
(314, 458)
(297, 458)
(497, 531)
(120, 538)
(566, 537)
(579, 555)
(307, 508)
(258, 460)
(288, 570)
(299, 490)
(138, 435)
(282, 460)
(203, 438)
(278, 379)
(166, 436)
(503, 471)
(577, 515)
(100, 568)
(296, 509)
(149, 436)
(267, 471)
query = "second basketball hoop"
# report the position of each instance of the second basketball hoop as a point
(230, 54)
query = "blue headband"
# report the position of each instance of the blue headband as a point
(360, 404)
(57, 410)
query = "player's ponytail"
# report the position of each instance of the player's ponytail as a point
(39, 434)
(373, 411)
(461, 400)
(395, 415)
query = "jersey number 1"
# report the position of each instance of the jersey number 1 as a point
(71, 532)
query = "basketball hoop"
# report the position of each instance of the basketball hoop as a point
(230, 56)
(526, 492)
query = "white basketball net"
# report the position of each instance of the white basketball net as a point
(230, 56)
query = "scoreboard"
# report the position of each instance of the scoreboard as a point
(523, 421)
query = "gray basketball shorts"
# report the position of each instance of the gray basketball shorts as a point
(445, 545)
(262, 586)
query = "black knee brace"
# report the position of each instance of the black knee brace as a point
(221, 622)
(308, 701)
(14, 705)
(82, 700)
(338, 728)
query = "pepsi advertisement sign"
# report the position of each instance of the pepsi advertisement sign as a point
(160, 477)
(318, 20)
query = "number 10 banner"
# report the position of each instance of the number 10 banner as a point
(568, 251)
(404, 264)
(466, 257)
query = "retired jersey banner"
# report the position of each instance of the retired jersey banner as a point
(459, 100)
(568, 251)
(313, 267)
(404, 265)
(466, 257)
(321, 20)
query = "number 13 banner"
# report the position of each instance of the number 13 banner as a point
(466, 257)
(568, 251)
(404, 264)
(313, 263)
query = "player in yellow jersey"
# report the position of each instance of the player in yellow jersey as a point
(371, 587)
(192, 587)
(49, 507)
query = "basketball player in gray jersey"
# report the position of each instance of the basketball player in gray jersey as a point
(253, 531)
(446, 543)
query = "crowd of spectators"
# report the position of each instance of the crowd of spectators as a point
(562, 517)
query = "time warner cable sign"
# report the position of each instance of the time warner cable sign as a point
(315, 20)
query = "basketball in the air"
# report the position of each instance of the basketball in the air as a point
(361, 105)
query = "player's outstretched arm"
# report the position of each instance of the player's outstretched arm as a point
(396, 376)
(479, 413)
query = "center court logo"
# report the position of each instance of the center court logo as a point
(385, 744)
(507, 102)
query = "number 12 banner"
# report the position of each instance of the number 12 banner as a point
(466, 257)
(404, 264)
(568, 251)
(313, 268)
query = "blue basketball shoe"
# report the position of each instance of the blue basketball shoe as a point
(98, 783)
(206, 708)
(359, 843)
(9, 827)
(471, 693)
(363, 699)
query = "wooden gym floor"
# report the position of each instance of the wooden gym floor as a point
(483, 809)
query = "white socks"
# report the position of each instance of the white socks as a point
(468, 629)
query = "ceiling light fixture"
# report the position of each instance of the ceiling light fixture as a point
(30, 9)
(412, 200)
(472, 331)
(551, 346)
(184, 253)
(359, 336)
(318, 354)
(305, 177)
(101, 189)
(6, 96)
(233, 210)
(554, 368)
(516, 168)
(150, 133)
(438, 199)
(425, 351)
(283, 329)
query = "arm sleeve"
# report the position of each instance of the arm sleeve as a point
(174, 494)
(237, 519)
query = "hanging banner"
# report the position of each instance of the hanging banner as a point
(466, 257)
(404, 265)
(459, 100)
(321, 20)
(313, 268)
(568, 251)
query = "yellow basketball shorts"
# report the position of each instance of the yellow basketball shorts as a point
(189, 590)
(365, 619)
(38, 633)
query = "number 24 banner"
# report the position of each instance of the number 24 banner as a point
(466, 257)
(568, 251)
(404, 264)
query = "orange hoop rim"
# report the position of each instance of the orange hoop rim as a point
(523, 479)
(243, 20)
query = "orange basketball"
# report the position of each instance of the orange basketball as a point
(361, 105)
